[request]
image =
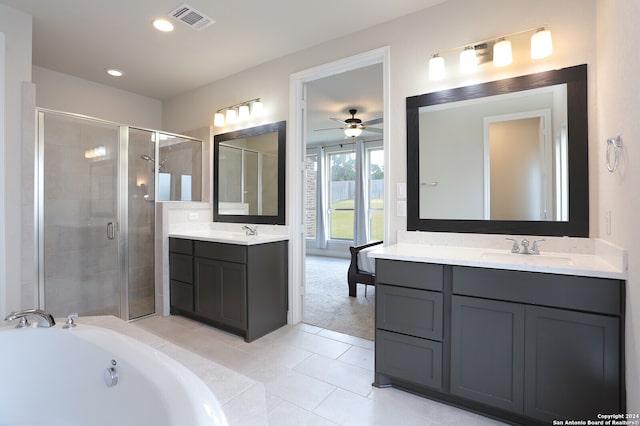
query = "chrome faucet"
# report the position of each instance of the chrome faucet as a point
(44, 319)
(523, 248)
(249, 230)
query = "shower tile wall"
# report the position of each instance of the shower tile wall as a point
(80, 262)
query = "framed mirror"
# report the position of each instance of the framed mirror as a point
(249, 173)
(504, 157)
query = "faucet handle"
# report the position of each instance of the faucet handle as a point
(70, 323)
(515, 248)
(534, 247)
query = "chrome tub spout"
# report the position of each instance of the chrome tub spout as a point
(44, 319)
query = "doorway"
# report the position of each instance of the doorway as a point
(299, 130)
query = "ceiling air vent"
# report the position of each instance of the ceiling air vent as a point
(191, 17)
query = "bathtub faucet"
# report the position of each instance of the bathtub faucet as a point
(44, 319)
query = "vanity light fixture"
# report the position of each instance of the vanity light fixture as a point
(541, 44)
(468, 60)
(498, 49)
(502, 55)
(238, 112)
(436, 67)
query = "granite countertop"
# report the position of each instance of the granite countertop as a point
(565, 263)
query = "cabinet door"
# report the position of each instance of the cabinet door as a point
(572, 368)
(487, 352)
(220, 292)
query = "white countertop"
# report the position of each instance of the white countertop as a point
(588, 265)
(229, 237)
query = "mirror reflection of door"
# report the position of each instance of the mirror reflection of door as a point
(518, 173)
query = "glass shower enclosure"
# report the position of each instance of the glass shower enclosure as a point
(96, 191)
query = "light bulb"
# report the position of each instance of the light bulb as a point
(541, 44)
(436, 67)
(502, 54)
(353, 131)
(218, 119)
(468, 60)
(163, 25)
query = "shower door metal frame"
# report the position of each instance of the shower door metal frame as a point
(122, 211)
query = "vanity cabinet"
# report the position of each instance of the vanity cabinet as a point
(409, 327)
(526, 347)
(239, 288)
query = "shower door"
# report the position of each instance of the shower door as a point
(78, 246)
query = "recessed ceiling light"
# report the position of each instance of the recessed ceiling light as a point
(114, 72)
(163, 25)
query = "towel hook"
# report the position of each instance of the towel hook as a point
(616, 144)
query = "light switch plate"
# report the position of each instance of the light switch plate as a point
(401, 208)
(401, 190)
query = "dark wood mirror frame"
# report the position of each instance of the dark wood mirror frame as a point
(578, 156)
(281, 129)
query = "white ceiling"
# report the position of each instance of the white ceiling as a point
(84, 37)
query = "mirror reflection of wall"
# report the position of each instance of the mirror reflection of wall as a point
(180, 169)
(248, 175)
(504, 163)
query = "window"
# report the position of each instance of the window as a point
(375, 194)
(342, 171)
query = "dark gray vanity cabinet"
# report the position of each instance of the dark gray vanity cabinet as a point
(525, 347)
(181, 274)
(409, 327)
(487, 352)
(239, 288)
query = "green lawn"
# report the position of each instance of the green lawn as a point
(342, 220)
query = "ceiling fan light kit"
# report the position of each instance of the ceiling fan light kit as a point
(353, 127)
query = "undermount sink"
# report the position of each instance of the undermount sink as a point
(530, 259)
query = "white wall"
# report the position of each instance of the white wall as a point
(412, 39)
(63, 92)
(618, 109)
(16, 27)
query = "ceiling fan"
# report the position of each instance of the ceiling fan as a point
(354, 126)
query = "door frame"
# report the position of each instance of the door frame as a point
(296, 160)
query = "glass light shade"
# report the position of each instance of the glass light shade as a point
(468, 60)
(436, 68)
(257, 108)
(243, 112)
(114, 72)
(352, 132)
(541, 44)
(231, 115)
(218, 119)
(502, 54)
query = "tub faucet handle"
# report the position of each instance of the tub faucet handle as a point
(70, 323)
(534, 248)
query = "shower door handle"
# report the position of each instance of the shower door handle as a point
(111, 231)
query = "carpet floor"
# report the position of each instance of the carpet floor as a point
(327, 303)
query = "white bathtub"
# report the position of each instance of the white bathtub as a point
(52, 376)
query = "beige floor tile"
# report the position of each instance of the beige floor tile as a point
(345, 376)
(359, 357)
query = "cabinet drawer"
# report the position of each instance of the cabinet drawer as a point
(424, 276)
(409, 359)
(561, 291)
(409, 311)
(181, 296)
(181, 267)
(179, 245)
(220, 251)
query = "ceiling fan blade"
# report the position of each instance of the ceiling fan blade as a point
(337, 119)
(329, 128)
(374, 121)
(373, 129)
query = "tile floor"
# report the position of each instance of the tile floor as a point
(297, 375)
